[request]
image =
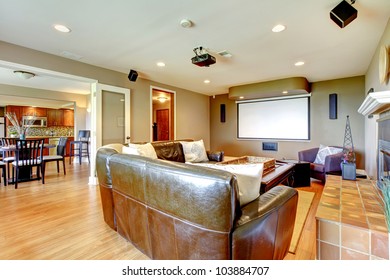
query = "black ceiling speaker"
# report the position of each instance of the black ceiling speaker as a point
(133, 75)
(343, 13)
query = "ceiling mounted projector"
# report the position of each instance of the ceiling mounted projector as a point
(343, 13)
(202, 58)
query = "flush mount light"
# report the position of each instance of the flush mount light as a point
(278, 28)
(160, 64)
(186, 23)
(241, 97)
(285, 92)
(24, 74)
(62, 28)
(162, 99)
(206, 81)
(299, 63)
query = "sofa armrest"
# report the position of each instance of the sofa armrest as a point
(265, 228)
(308, 155)
(332, 162)
(215, 156)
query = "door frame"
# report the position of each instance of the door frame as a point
(173, 110)
(96, 121)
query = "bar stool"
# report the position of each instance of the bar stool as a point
(80, 148)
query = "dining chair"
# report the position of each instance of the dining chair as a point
(3, 171)
(8, 155)
(28, 154)
(80, 147)
(60, 156)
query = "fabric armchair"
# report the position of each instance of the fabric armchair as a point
(319, 171)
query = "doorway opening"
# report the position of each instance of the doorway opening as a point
(163, 114)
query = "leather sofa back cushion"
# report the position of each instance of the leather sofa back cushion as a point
(172, 151)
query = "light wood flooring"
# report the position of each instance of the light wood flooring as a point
(63, 220)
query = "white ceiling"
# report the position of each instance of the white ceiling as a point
(127, 34)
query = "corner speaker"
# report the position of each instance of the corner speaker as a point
(133, 75)
(333, 106)
(343, 14)
(223, 113)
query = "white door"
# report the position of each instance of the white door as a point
(103, 120)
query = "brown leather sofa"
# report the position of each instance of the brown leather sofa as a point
(172, 210)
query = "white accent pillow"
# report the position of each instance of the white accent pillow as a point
(146, 150)
(248, 178)
(324, 151)
(194, 151)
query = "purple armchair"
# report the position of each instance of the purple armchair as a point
(319, 171)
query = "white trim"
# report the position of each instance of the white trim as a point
(151, 110)
(375, 103)
(96, 121)
(274, 98)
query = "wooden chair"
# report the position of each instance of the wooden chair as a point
(3, 171)
(28, 154)
(60, 156)
(8, 156)
(80, 148)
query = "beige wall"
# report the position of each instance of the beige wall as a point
(372, 81)
(192, 115)
(323, 130)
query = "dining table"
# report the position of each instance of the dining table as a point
(25, 173)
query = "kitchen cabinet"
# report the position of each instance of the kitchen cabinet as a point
(55, 117)
(13, 109)
(68, 117)
(67, 148)
(34, 111)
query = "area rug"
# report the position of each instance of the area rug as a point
(305, 200)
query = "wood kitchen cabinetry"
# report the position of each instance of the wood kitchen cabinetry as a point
(68, 117)
(55, 117)
(13, 109)
(34, 111)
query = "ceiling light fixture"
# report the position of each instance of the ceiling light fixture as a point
(162, 99)
(160, 64)
(186, 23)
(24, 74)
(62, 28)
(206, 81)
(299, 63)
(278, 28)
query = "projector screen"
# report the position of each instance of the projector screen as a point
(286, 119)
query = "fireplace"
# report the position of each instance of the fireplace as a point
(383, 148)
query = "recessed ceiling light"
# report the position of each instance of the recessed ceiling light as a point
(206, 81)
(285, 92)
(62, 28)
(278, 28)
(160, 64)
(299, 63)
(241, 97)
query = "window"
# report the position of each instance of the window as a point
(274, 118)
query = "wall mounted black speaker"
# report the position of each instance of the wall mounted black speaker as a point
(343, 14)
(333, 106)
(223, 113)
(133, 75)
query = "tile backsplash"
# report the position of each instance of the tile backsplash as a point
(46, 131)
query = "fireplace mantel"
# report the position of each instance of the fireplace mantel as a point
(375, 103)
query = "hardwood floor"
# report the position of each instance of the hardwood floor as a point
(63, 220)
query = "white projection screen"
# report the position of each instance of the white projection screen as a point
(285, 119)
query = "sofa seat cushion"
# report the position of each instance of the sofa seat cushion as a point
(248, 178)
(195, 151)
(317, 167)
